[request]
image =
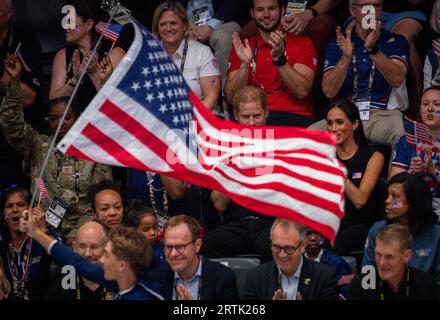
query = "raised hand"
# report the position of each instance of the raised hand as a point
(105, 69)
(244, 52)
(276, 40)
(296, 23)
(29, 223)
(279, 295)
(183, 293)
(372, 37)
(344, 43)
(13, 68)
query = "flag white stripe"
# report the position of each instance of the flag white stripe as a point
(290, 182)
(281, 144)
(278, 198)
(124, 138)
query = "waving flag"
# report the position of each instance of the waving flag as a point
(415, 130)
(41, 187)
(110, 31)
(146, 117)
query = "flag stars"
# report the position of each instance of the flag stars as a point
(166, 81)
(150, 98)
(170, 94)
(151, 57)
(155, 70)
(158, 83)
(185, 131)
(161, 96)
(135, 87)
(148, 85)
(173, 107)
(146, 71)
(163, 108)
(176, 120)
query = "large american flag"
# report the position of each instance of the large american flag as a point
(142, 118)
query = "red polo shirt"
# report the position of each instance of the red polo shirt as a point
(298, 50)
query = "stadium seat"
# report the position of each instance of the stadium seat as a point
(241, 267)
(351, 261)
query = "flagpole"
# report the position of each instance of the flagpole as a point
(69, 103)
(415, 137)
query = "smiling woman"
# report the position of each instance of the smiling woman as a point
(364, 166)
(195, 60)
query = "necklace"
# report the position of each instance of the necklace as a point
(19, 283)
(151, 190)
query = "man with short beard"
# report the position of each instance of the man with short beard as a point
(282, 64)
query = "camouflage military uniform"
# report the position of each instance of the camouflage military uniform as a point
(67, 177)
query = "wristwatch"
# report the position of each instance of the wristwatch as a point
(281, 61)
(314, 12)
(374, 50)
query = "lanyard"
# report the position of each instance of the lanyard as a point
(104, 295)
(11, 38)
(76, 175)
(152, 190)
(19, 283)
(407, 289)
(356, 77)
(185, 52)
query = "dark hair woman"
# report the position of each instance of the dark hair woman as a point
(409, 203)
(364, 166)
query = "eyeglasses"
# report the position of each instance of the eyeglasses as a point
(82, 247)
(287, 249)
(179, 247)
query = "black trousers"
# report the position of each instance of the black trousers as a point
(246, 236)
(281, 118)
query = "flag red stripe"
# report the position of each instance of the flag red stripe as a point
(77, 153)
(111, 147)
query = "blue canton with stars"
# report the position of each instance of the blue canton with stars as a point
(155, 82)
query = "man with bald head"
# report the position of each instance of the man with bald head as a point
(90, 241)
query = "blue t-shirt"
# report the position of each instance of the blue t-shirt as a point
(393, 46)
(405, 152)
(158, 257)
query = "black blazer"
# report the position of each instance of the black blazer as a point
(422, 286)
(218, 281)
(317, 282)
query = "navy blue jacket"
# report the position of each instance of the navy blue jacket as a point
(218, 281)
(143, 289)
(316, 282)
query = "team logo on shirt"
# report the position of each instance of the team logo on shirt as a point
(423, 253)
(391, 40)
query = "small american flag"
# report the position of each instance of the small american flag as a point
(41, 187)
(416, 130)
(357, 175)
(146, 117)
(110, 31)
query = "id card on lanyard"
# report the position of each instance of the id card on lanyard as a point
(295, 6)
(201, 14)
(362, 101)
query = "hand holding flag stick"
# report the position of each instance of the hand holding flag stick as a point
(69, 103)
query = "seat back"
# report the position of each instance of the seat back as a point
(241, 266)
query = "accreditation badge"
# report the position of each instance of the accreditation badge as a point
(56, 211)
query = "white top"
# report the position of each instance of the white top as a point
(200, 62)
